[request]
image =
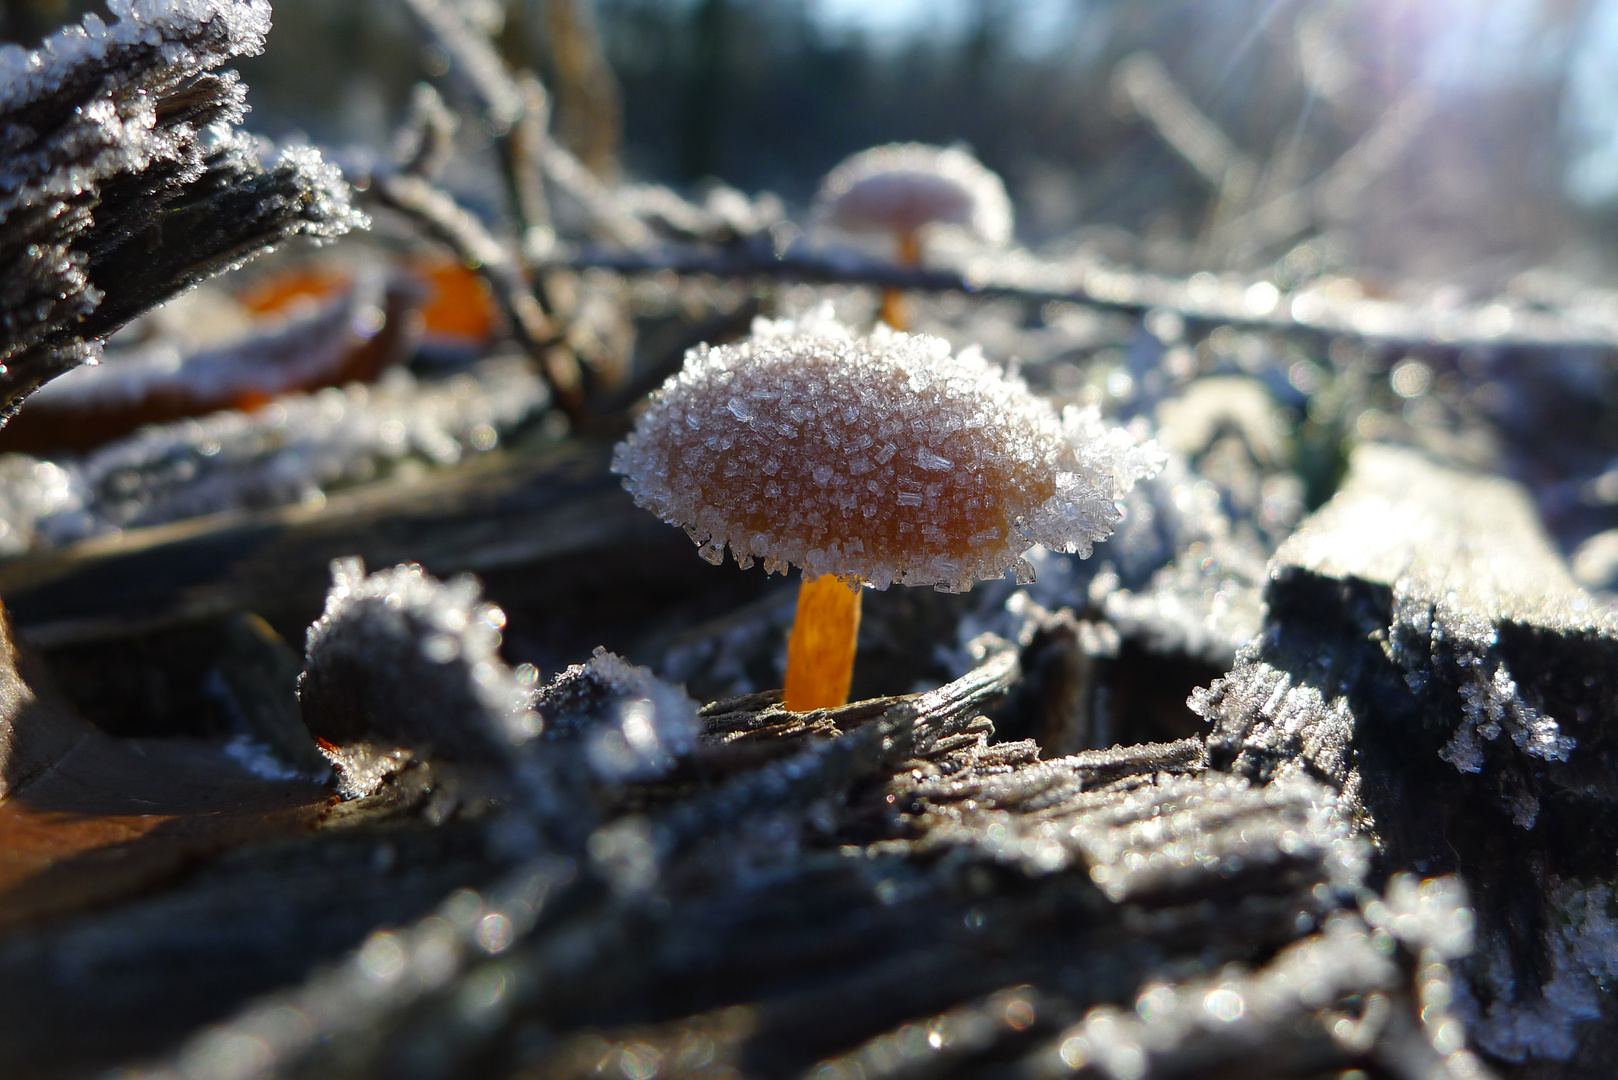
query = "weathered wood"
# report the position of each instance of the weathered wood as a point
(493, 513)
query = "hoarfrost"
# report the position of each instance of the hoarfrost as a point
(1492, 704)
(109, 133)
(649, 725)
(1581, 946)
(630, 725)
(1302, 996)
(399, 659)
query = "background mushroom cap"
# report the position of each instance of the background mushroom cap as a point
(886, 458)
(904, 186)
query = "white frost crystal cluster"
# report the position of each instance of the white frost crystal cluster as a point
(184, 32)
(888, 458)
(112, 132)
(903, 187)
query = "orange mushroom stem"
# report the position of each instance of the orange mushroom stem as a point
(895, 312)
(820, 652)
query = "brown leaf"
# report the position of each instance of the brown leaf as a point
(85, 817)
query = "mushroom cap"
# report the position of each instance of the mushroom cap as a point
(886, 458)
(904, 186)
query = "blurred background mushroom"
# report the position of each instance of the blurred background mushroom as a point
(902, 190)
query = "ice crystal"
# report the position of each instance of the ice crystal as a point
(646, 725)
(1492, 704)
(122, 181)
(902, 187)
(1581, 948)
(401, 659)
(886, 458)
(1261, 714)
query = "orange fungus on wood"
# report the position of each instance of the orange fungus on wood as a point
(459, 304)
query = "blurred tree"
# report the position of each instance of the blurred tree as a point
(704, 87)
(1416, 133)
(589, 119)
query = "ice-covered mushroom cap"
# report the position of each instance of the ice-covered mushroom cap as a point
(902, 187)
(886, 458)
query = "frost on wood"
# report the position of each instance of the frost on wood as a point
(633, 725)
(887, 458)
(400, 660)
(1477, 592)
(1328, 994)
(1581, 948)
(1190, 566)
(296, 450)
(123, 183)
(1427, 654)
(902, 187)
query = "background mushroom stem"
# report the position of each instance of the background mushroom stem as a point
(820, 652)
(895, 312)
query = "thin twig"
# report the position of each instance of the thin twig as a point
(473, 63)
(509, 107)
(521, 152)
(427, 140)
(1335, 192)
(1142, 80)
(443, 218)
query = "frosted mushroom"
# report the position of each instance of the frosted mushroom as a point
(869, 461)
(903, 188)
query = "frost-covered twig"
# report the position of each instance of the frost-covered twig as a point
(1334, 192)
(121, 182)
(516, 108)
(1205, 299)
(427, 140)
(442, 217)
(1143, 82)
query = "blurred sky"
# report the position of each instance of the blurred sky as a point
(1478, 44)
(1037, 25)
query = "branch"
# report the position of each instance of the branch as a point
(1202, 299)
(516, 109)
(1141, 80)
